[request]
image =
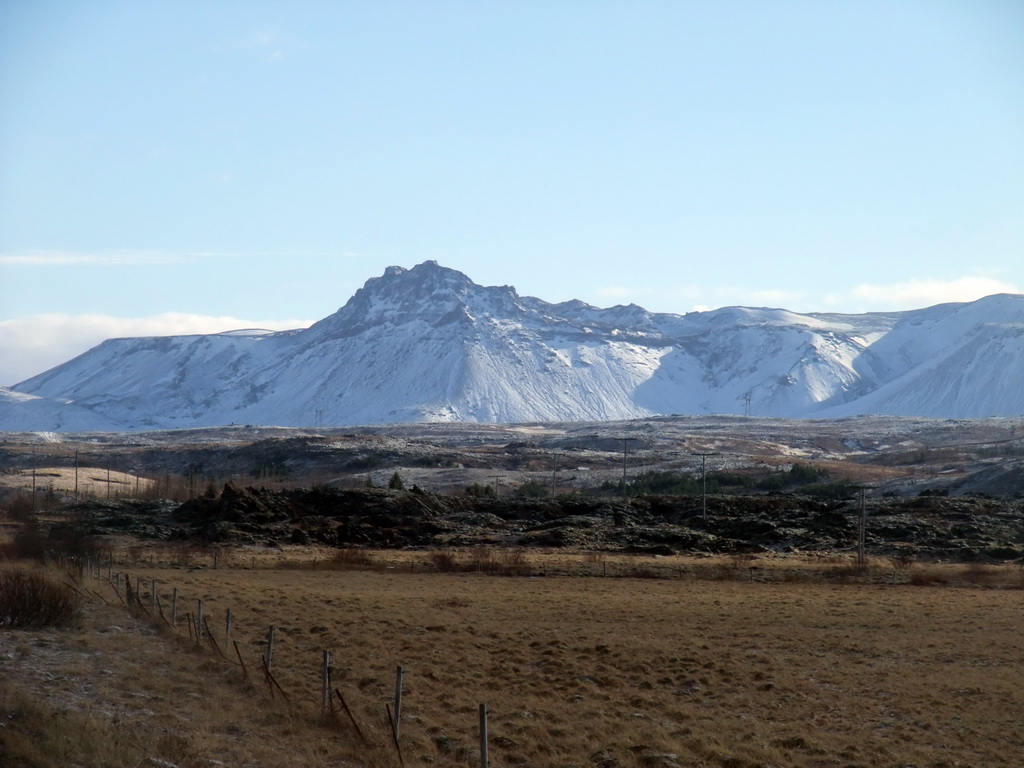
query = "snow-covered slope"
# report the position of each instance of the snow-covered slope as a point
(27, 413)
(428, 344)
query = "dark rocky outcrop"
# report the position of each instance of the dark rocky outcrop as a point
(963, 528)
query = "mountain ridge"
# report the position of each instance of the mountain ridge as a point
(429, 344)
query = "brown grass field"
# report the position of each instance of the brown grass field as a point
(575, 671)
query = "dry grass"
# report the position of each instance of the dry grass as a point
(94, 482)
(575, 672)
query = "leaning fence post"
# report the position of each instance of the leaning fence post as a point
(483, 736)
(325, 675)
(398, 701)
(117, 584)
(241, 661)
(199, 621)
(270, 648)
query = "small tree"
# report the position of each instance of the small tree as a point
(395, 483)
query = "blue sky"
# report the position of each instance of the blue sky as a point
(195, 166)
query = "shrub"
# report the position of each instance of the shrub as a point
(531, 489)
(489, 560)
(28, 543)
(444, 561)
(672, 483)
(18, 505)
(478, 490)
(804, 473)
(928, 576)
(33, 600)
(350, 557)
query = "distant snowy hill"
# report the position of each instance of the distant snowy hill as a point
(27, 413)
(428, 344)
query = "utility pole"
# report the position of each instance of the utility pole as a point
(625, 443)
(554, 469)
(704, 480)
(862, 526)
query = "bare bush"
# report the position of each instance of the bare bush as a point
(497, 562)
(350, 557)
(981, 574)
(489, 560)
(18, 505)
(444, 561)
(33, 600)
(929, 575)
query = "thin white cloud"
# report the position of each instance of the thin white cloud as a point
(925, 293)
(42, 258)
(272, 44)
(71, 258)
(35, 343)
(866, 297)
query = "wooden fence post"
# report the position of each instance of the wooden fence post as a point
(483, 736)
(241, 661)
(398, 701)
(227, 626)
(270, 648)
(862, 525)
(325, 675)
(199, 621)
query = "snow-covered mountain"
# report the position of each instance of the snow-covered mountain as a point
(428, 344)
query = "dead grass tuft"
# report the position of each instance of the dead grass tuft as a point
(351, 557)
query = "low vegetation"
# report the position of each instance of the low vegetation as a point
(33, 599)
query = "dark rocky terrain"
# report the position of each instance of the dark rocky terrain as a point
(930, 526)
(932, 488)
